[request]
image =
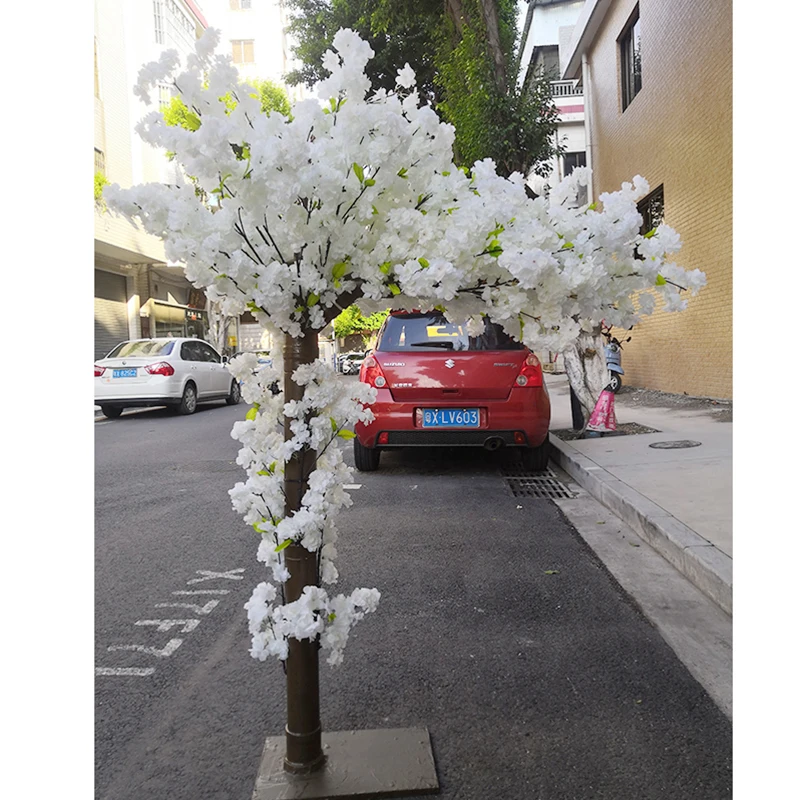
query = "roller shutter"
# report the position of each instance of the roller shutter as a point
(110, 312)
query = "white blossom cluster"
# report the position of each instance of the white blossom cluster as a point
(314, 614)
(357, 194)
(320, 421)
(355, 197)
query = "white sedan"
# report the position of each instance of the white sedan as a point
(179, 373)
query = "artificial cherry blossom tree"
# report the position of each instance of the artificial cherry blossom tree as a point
(355, 197)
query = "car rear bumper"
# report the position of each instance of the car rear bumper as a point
(156, 390)
(521, 420)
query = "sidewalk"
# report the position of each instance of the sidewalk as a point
(679, 500)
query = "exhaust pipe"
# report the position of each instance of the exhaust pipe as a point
(494, 443)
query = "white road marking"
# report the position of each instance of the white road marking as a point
(164, 625)
(209, 576)
(123, 671)
(203, 591)
(352, 486)
(206, 609)
(171, 646)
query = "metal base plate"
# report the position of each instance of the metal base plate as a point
(360, 764)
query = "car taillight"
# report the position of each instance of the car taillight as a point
(371, 373)
(98, 371)
(162, 368)
(530, 373)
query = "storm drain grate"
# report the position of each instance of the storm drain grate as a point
(535, 484)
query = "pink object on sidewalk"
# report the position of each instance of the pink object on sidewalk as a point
(603, 418)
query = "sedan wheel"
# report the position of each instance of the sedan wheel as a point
(188, 404)
(235, 394)
(112, 412)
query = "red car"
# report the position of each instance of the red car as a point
(438, 386)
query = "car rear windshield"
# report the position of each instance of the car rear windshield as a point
(431, 331)
(146, 348)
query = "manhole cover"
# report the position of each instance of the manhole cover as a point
(676, 445)
(535, 484)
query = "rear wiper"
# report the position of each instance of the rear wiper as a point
(446, 345)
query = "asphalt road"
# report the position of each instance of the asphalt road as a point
(534, 686)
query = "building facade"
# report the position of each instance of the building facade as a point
(547, 29)
(657, 83)
(137, 291)
(253, 33)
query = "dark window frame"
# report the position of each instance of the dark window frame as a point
(652, 209)
(630, 59)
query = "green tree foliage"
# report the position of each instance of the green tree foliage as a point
(399, 31)
(272, 96)
(494, 117)
(100, 181)
(352, 321)
(466, 57)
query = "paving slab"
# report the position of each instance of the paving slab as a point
(679, 500)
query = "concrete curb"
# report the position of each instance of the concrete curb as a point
(708, 568)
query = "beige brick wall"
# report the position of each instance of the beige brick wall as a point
(676, 132)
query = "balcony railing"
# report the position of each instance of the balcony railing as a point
(566, 89)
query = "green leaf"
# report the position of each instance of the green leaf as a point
(374, 211)
(345, 434)
(386, 267)
(313, 299)
(394, 288)
(299, 309)
(446, 173)
(551, 572)
(359, 171)
(192, 121)
(592, 207)
(402, 173)
(424, 263)
(251, 414)
(326, 111)
(334, 426)
(496, 232)
(661, 281)
(340, 269)
(567, 246)
(369, 182)
(332, 616)
(283, 545)
(650, 234)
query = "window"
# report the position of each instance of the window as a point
(630, 59)
(426, 332)
(207, 353)
(242, 51)
(241, 5)
(164, 96)
(99, 161)
(158, 14)
(652, 210)
(149, 348)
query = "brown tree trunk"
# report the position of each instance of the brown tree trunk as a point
(496, 54)
(303, 728)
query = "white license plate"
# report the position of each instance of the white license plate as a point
(451, 418)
